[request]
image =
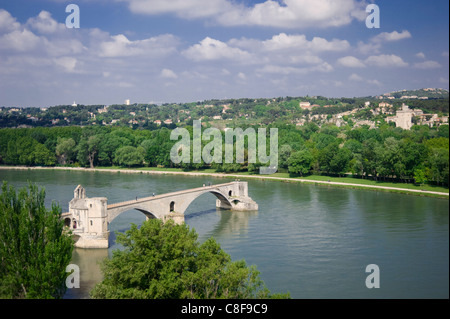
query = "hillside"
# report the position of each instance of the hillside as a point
(261, 111)
(426, 93)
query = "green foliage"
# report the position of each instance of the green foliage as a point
(34, 247)
(65, 150)
(300, 162)
(129, 156)
(166, 261)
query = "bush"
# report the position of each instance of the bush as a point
(165, 261)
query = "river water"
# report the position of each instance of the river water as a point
(313, 241)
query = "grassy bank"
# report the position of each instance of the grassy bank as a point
(348, 181)
(327, 181)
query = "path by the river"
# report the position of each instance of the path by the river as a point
(237, 176)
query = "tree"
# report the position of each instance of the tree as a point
(88, 149)
(438, 163)
(284, 154)
(108, 146)
(165, 261)
(339, 164)
(326, 156)
(300, 162)
(34, 247)
(129, 156)
(42, 156)
(65, 149)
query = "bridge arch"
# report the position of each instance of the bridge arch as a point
(147, 214)
(144, 210)
(223, 198)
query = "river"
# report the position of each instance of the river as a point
(313, 241)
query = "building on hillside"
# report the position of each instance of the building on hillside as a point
(103, 110)
(403, 118)
(305, 105)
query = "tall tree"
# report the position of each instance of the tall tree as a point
(88, 149)
(300, 162)
(65, 149)
(34, 247)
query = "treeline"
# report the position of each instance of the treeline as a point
(420, 155)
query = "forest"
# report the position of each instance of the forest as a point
(419, 155)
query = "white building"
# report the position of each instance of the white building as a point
(305, 105)
(403, 118)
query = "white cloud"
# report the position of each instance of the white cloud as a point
(286, 70)
(7, 22)
(242, 76)
(66, 63)
(427, 65)
(303, 59)
(420, 55)
(351, 62)
(385, 60)
(188, 9)
(168, 74)
(355, 77)
(283, 41)
(287, 14)
(392, 36)
(375, 43)
(17, 40)
(296, 14)
(44, 23)
(375, 83)
(211, 49)
(121, 46)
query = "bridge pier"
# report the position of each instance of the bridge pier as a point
(88, 218)
(178, 218)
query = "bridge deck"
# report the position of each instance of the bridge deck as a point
(150, 198)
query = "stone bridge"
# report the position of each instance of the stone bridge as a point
(88, 218)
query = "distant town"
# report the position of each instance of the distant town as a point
(405, 108)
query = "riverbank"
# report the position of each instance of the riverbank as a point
(348, 182)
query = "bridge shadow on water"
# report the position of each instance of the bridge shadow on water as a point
(203, 213)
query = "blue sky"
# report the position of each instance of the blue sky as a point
(164, 51)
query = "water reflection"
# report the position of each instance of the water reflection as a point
(90, 274)
(232, 223)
